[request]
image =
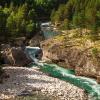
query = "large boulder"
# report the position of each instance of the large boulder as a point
(16, 57)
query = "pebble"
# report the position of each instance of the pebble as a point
(5, 97)
(31, 79)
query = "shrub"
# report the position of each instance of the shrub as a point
(95, 52)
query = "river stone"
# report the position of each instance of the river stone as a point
(25, 93)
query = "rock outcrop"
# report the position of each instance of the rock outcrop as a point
(79, 54)
(16, 56)
(35, 41)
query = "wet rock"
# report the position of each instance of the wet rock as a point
(98, 79)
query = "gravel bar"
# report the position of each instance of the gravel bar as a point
(32, 79)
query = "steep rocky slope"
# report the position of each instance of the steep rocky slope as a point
(74, 52)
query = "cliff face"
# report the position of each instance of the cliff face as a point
(71, 52)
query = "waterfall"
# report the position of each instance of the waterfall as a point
(48, 30)
(32, 52)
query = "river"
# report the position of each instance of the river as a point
(90, 85)
(47, 30)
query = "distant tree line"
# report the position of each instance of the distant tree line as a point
(17, 20)
(21, 17)
(78, 14)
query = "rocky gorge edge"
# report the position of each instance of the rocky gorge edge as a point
(73, 52)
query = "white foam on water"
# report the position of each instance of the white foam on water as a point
(91, 82)
(32, 47)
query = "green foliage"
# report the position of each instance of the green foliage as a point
(32, 15)
(30, 27)
(65, 24)
(80, 14)
(44, 7)
(95, 52)
(2, 20)
(58, 16)
(16, 20)
(19, 17)
(93, 37)
(79, 19)
(52, 16)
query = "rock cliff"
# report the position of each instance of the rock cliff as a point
(73, 52)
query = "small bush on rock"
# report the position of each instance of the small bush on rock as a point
(95, 52)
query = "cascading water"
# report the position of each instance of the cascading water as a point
(90, 85)
(48, 31)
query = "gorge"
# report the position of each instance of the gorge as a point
(50, 49)
(67, 74)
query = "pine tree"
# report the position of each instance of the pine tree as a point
(3, 18)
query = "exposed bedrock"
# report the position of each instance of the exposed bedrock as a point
(15, 56)
(83, 58)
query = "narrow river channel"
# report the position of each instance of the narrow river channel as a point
(88, 84)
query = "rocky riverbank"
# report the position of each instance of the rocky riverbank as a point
(74, 52)
(24, 81)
